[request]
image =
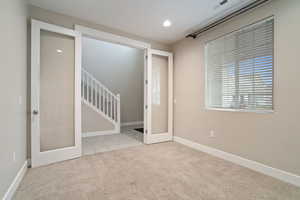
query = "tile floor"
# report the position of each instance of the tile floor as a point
(127, 138)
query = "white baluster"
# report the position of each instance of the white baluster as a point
(84, 84)
(115, 109)
(101, 99)
(97, 95)
(119, 112)
(83, 76)
(105, 100)
(110, 105)
(88, 89)
(94, 92)
(81, 86)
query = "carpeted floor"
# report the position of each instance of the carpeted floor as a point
(166, 171)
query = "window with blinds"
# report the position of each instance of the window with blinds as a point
(239, 69)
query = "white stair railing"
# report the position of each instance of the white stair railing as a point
(100, 98)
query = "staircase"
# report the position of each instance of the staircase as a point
(99, 98)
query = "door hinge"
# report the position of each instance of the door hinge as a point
(146, 106)
(146, 56)
(146, 131)
(146, 81)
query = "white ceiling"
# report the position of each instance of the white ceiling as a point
(144, 18)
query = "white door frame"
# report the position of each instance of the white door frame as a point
(109, 37)
(117, 39)
(42, 158)
(161, 137)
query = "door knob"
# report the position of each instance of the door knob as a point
(35, 112)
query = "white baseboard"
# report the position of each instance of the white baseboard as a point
(16, 182)
(99, 133)
(132, 123)
(256, 166)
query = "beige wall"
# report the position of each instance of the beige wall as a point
(92, 121)
(271, 139)
(121, 70)
(69, 22)
(13, 99)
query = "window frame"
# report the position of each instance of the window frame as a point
(210, 108)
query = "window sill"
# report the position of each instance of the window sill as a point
(241, 110)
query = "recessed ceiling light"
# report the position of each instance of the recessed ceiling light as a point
(167, 23)
(59, 51)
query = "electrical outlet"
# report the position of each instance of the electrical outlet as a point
(14, 156)
(212, 134)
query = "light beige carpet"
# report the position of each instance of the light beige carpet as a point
(166, 171)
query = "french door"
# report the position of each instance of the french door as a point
(55, 93)
(159, 97)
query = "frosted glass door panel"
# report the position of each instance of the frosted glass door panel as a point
(57, 72)
(159, 94)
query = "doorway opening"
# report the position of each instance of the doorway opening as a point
(112, 89)
(56, 135)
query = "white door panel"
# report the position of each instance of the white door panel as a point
(55, 94)
(159, 96)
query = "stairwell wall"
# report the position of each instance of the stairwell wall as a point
(121, 70)
(93, 122)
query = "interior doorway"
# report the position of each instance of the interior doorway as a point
(56, 132)
(112, 96)
(158, 86)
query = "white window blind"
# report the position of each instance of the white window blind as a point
(239, 69)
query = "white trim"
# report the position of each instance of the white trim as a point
(16, 182)
(256, 166)
(109, 37)
(240, 110)
(148, 91)
(157, 138)
(145, 95)
(105, 36)
(132, 123)
(39, 158)
(161, 53)
(54, 28)
(99, 133)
